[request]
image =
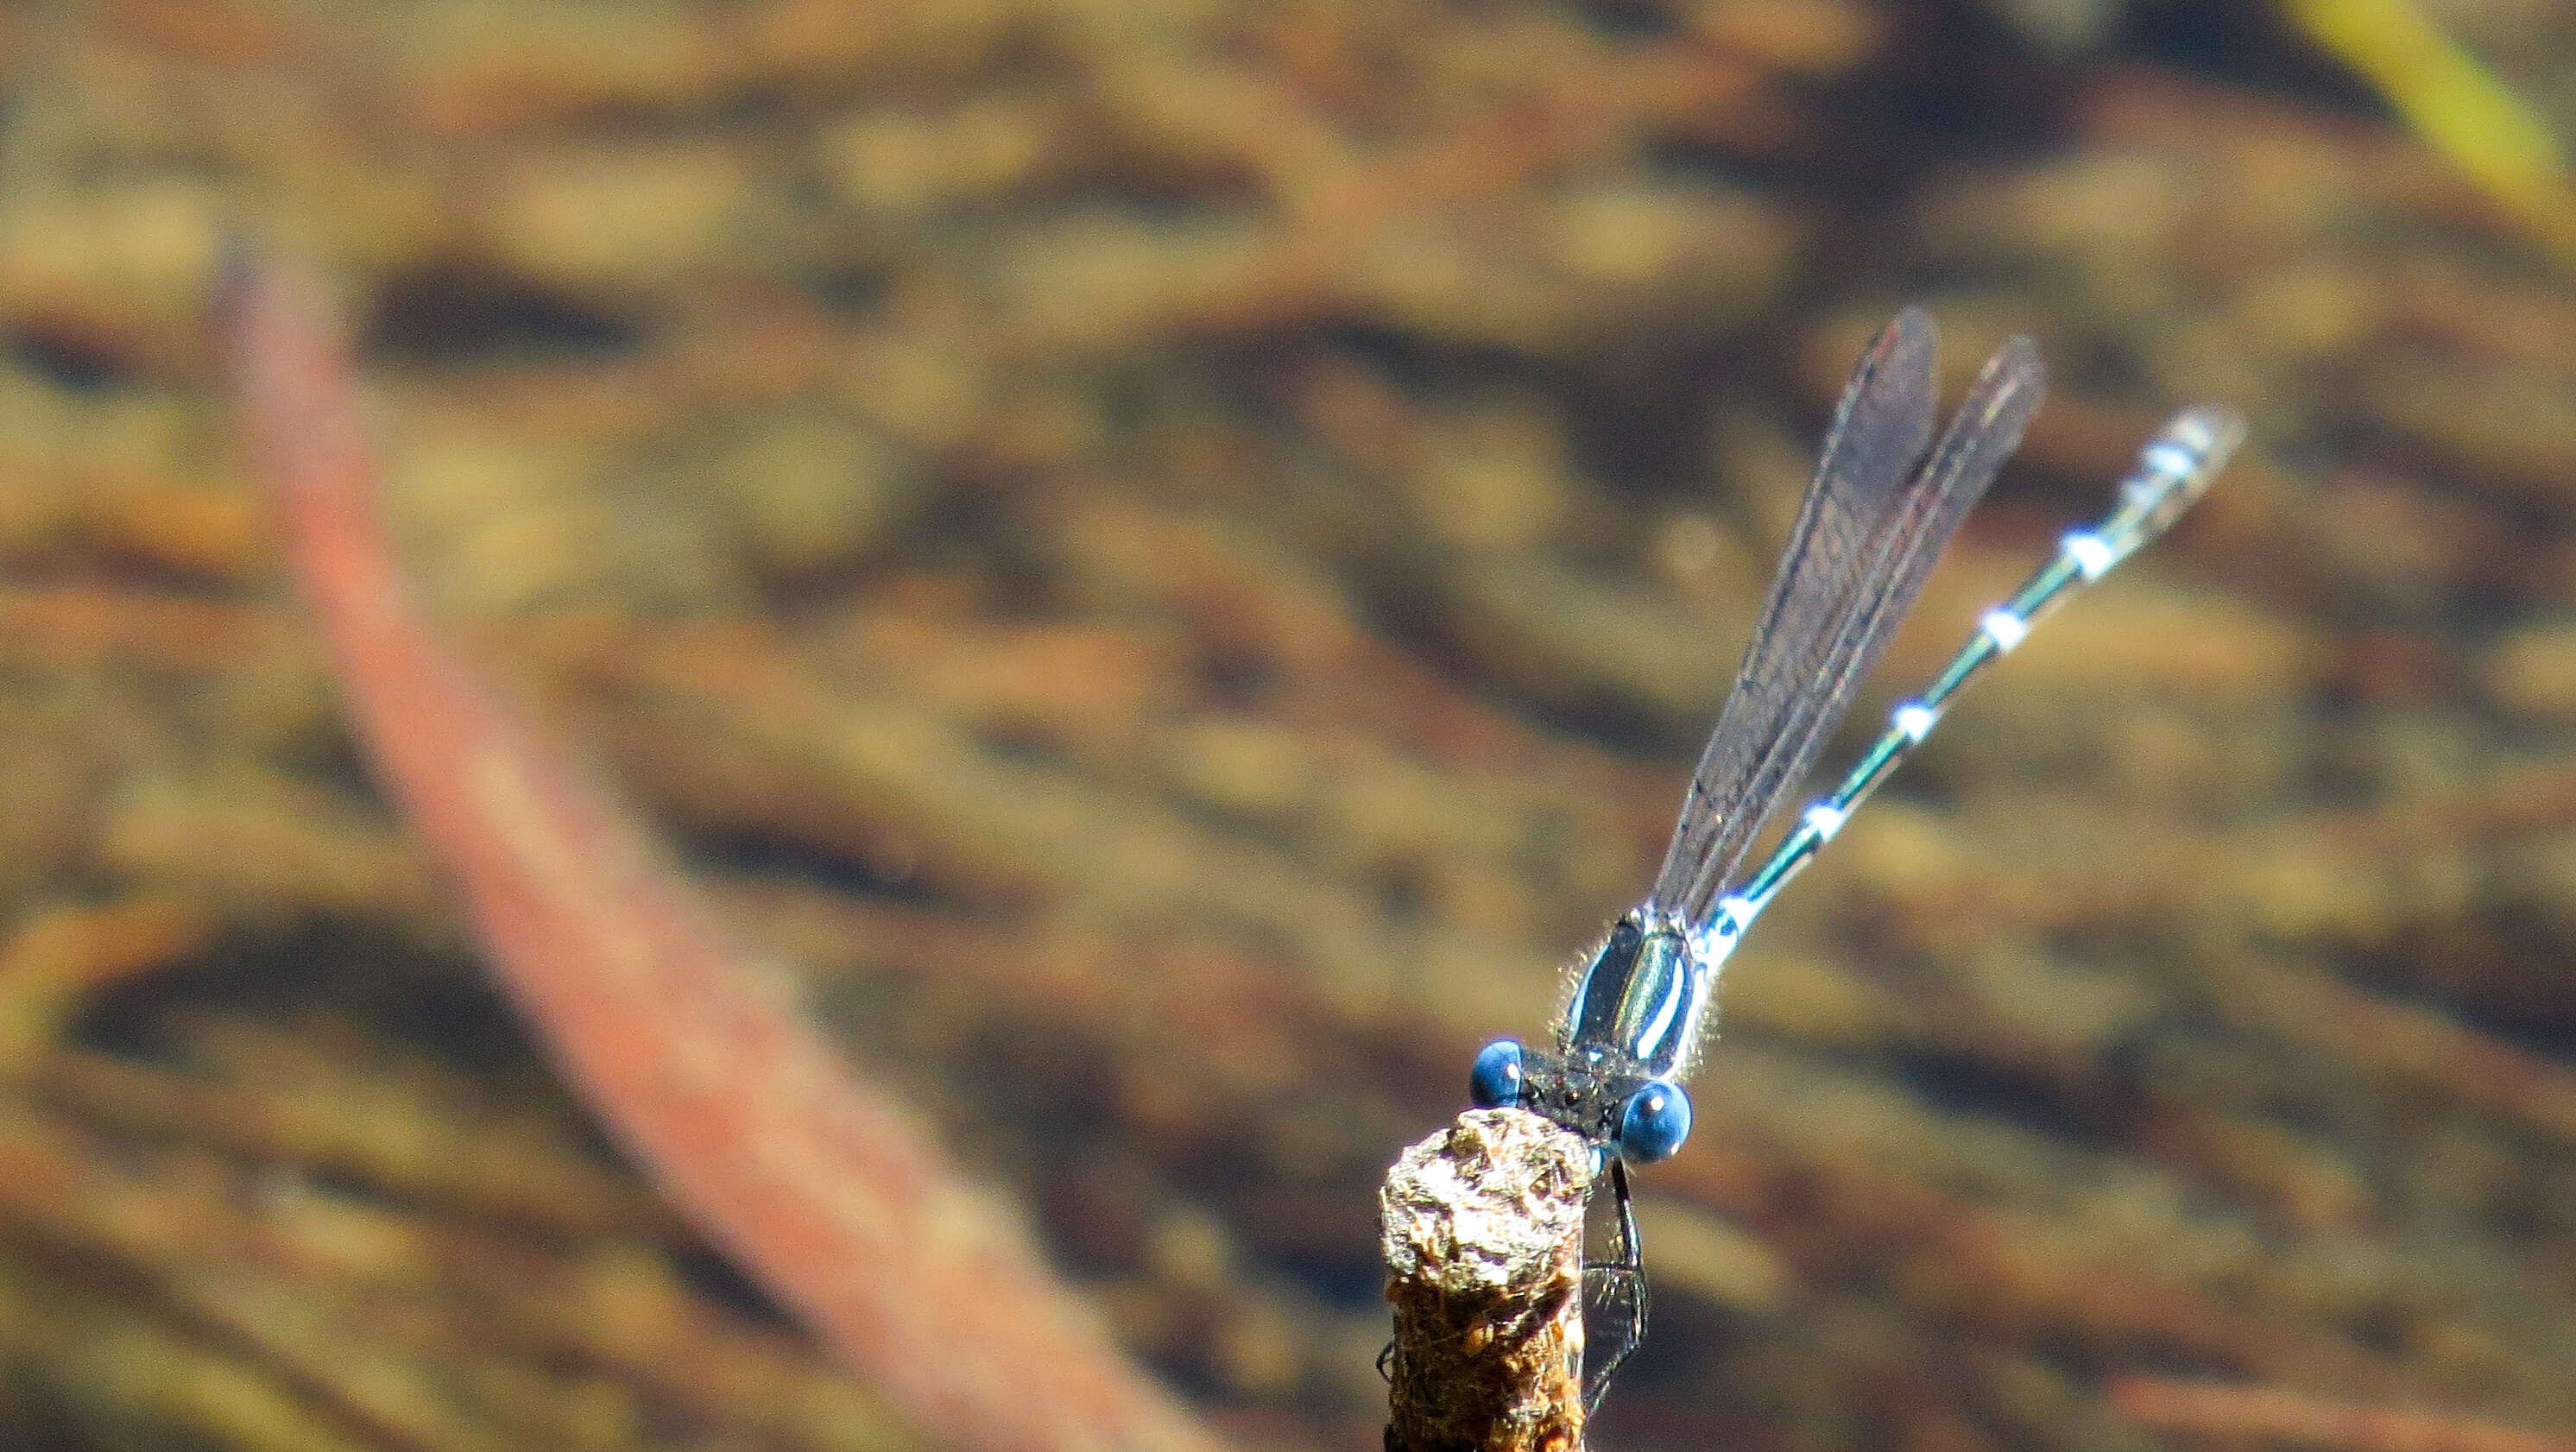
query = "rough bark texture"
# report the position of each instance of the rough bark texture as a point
(1483, 1233)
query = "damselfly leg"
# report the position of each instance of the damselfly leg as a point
(1614, 1299)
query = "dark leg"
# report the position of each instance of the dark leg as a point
(1617, 1291)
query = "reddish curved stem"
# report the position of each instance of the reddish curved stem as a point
(833, 1197)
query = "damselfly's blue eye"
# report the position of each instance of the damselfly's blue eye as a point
(1654, 1123)
(1495, 1082)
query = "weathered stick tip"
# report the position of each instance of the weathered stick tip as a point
(1482, 1228)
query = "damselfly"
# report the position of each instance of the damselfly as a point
(1874, 521)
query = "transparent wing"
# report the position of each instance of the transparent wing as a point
(1982, 435)
(1879, 431)
(1866, 539)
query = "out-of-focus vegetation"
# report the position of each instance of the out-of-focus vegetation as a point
(1168, 561)
(2457, 104)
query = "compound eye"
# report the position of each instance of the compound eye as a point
(1654, 1123)
(1495, 1082)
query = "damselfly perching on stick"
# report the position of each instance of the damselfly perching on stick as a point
(1874, 521)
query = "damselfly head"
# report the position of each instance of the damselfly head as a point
(1636, 1116)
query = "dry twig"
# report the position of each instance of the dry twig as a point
(1483, 1234)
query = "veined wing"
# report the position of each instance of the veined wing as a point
(1866, 539)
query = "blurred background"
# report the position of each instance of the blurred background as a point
(1168, 561)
